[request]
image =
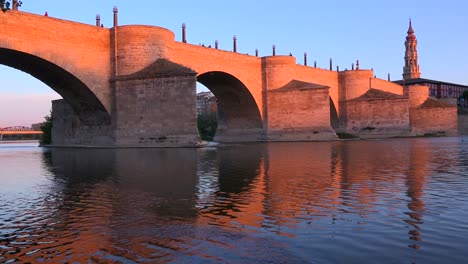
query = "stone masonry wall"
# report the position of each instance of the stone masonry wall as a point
(463, 124)
(437, 121)
(300, 114)
(157, 112)
(378, 118)
(353, 84)
(140, 46)
(386, 86)
(321, 77)
(280, 70)
(417, 94)
(68, 129)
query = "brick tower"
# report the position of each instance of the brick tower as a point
(411, 68)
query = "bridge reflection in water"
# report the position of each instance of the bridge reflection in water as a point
(282, 202)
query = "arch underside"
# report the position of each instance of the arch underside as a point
(239, 117)
(82, 100)
(334, 120)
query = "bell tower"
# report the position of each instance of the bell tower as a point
(411, 68)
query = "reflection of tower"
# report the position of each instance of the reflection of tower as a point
(416, 178)
(411, 68)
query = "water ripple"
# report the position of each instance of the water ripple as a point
(400, 200)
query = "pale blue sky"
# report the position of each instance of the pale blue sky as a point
(371, 31)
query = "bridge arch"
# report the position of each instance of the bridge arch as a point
(78, 95)
(239, 117)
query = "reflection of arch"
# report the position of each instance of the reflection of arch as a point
(334, 122)
(238, 112)
(83, 101)
(239, 167)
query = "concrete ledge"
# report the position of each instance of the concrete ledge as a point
(301, 135)
(191, 145)
(159, 142)
(385, 133)
(240, 135)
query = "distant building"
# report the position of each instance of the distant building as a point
(36, 127)
(206, 104)
(438, 89)
(412, 75)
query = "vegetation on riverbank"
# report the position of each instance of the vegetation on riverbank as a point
(46, 128)
(207, 125)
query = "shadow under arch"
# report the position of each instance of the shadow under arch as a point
(334, 121)
(239, 117)
(82, 100)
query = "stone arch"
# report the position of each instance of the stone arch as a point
(239, 116)
(83, 101)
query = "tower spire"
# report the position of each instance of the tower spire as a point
(410, 29)
(411, 68)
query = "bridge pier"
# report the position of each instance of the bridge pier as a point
(68, 128)
(152, 108)
(299, 111)
(156, 107)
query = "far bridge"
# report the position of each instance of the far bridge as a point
(18, 130)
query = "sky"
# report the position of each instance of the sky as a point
(370, 31)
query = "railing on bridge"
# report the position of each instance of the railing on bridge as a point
(18, 130)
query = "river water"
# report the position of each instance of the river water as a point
(376, 201)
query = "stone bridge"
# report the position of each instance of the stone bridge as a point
(135, 85)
